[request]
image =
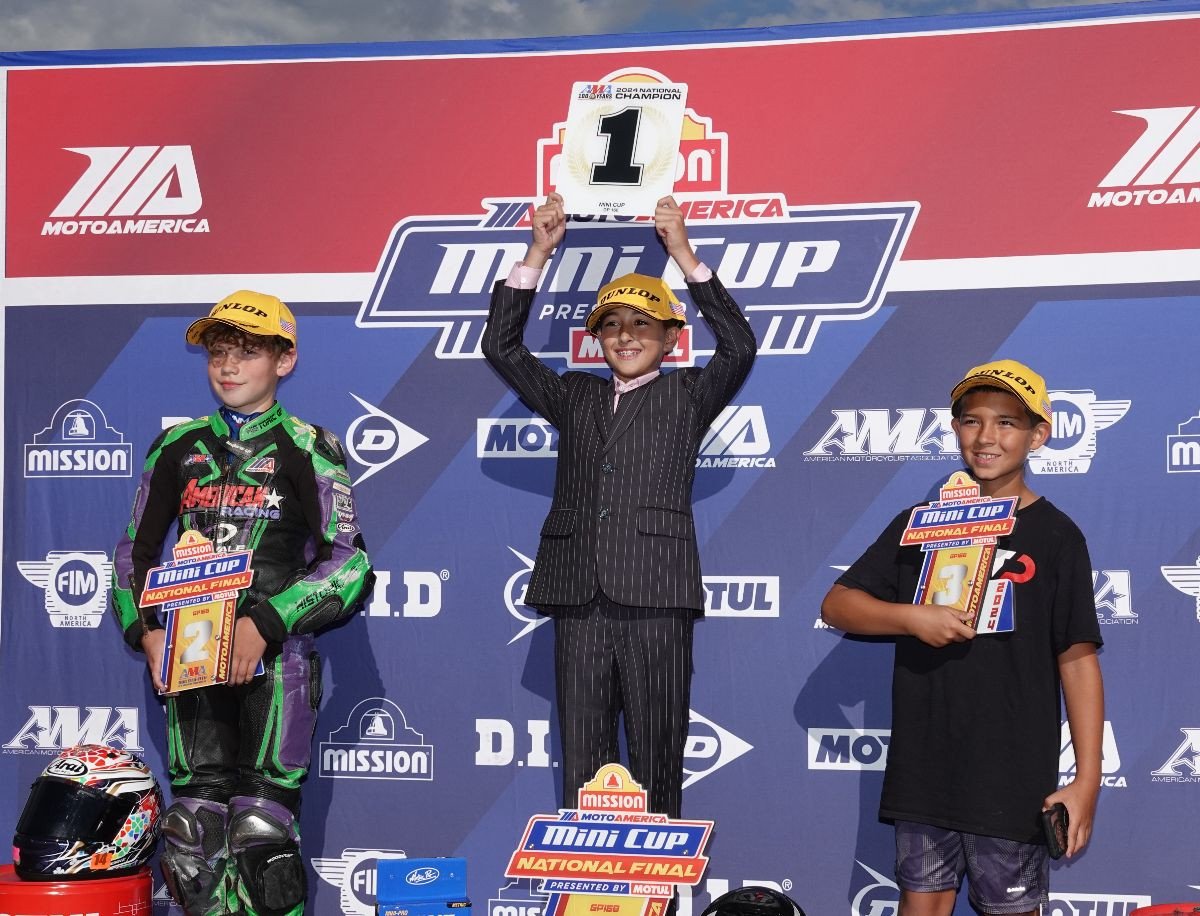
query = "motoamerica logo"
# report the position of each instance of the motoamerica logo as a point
(49, 729)
(790, 268)
(1110, 758)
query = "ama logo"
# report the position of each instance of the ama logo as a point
(790, 268)
(1110, 588)
(130, 190)
(76, 584)
(907, 434)
(49, 729)
(1184, 763)
(1078, 416)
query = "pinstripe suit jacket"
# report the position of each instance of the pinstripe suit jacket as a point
(621, 520)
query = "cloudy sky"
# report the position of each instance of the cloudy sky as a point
(43, 25)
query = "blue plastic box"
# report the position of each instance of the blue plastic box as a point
(422, 887)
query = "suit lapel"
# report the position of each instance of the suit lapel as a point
(627, 409)
(602, 408)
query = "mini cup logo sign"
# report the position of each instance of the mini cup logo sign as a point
(1167, 153)
(129, 190)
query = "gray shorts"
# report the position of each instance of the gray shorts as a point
(1004, 876)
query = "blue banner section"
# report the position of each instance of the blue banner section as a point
(439, 696)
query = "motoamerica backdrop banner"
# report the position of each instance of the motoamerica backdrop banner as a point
(890, 202)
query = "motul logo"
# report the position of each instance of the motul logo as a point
(133, 181)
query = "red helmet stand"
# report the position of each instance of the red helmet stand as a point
(103, 896)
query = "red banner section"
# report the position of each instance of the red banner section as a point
(1014, 141)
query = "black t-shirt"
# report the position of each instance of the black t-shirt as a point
(976, 725)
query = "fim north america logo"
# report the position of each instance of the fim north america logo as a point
(790, 268)
(1078, 416)
(78, 443)
(376, 743)
(611, 851)
(75, 583)
(354, 873)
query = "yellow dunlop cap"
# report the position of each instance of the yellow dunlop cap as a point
(251, 312)
(1011, 376)
(649, 295)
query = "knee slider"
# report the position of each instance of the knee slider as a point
(265, 845)
(193, 858)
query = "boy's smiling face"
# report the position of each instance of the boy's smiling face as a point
(995, 436)
(245, 370)
(634, 343)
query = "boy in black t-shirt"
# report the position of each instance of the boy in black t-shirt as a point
(973, 758)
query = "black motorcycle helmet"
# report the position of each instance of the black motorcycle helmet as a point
(92, 813)
(754, 900)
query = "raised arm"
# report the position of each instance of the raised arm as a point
(716, 384)
(537, 384)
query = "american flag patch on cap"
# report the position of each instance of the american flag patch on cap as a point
(287, 326)
(677, 309)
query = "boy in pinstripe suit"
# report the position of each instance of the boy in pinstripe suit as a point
(618, 566)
